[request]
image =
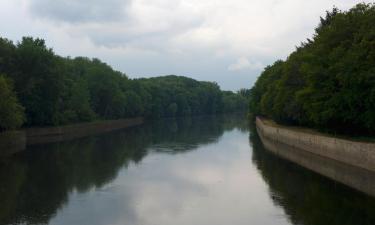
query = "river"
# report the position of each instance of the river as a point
(209, 170)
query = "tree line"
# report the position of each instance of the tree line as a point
(328, 82)
(40, 88)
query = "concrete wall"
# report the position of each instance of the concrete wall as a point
(65, 133)
(12, 142)
(359, 154)
(360, 179)
(15, 141)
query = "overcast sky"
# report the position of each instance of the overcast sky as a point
(227, 41)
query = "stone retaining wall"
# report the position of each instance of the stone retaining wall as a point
(355, 177)
(15, 141)
(12, 142)
(360, 154)
(64, 133)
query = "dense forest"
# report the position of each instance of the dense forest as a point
(328, 82)
(40, 88)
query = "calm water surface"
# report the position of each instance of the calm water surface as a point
(201, 171)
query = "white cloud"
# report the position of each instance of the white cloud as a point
(243, 63)
(187, 37)
(74, 11)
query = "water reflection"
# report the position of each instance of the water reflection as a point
(306, 197)
(173, 172)
(36, 184)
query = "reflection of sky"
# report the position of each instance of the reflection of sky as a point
(216, 184)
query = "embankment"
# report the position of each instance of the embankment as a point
(11, 142)
(352, 176)
(354, 153)
(15, 141)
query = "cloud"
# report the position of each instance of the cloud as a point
(75, 11)
(260, 28)
(187, 37)
(243, 63)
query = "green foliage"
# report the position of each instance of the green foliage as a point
(11, 112)
(328, 82)
(172, 109)
(54, 90)
(38, 81)
(233, 102)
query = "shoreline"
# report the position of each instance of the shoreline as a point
(354, 153)
(355, 177)
(12, 142)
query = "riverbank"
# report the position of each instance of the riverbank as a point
(15, 141)
(355, 153)
(357, 178)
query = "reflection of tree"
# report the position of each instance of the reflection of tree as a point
(36, 183)
(308, 198)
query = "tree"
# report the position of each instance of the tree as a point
(7, 56)
(11, 112)
(58, 90)
(38, 81)
(172, 109)
(328, 82)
